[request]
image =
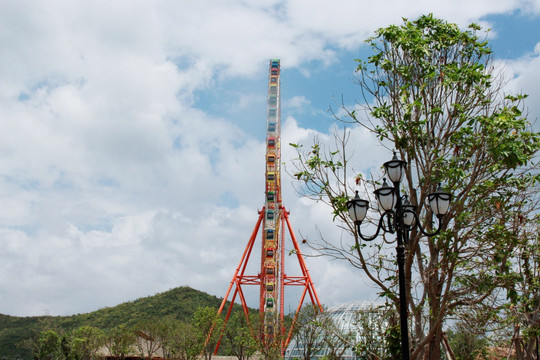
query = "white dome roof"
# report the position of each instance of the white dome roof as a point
(345, 316)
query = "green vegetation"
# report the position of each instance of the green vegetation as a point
(238, 335)
(466, 342)
(179, 303)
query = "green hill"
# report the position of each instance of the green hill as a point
(181, 302)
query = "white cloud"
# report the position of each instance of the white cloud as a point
(525, 78)
(297, 104)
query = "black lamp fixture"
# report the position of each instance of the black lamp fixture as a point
(399, 216)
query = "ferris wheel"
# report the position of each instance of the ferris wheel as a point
(274, 219)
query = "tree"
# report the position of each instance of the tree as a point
(149, 338)
(207, 323)
(179, 340)
(336, 339)
(466, 341)
(271, 344)
(83, 343)
(522, 305)
(240, 335)
(310, 332)
(47, 346)
(323, 334)
(374, 328)
(185, 341)
(120, 341)
(432, 93)
(167, 328)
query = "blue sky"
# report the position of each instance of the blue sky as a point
(132, 135)
(515, 34)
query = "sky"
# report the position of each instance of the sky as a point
(132, 135)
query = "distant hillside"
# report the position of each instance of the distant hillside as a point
(181, 302)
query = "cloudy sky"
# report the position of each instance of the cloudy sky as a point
(132, 134)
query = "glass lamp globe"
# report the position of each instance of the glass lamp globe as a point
(395, 169)
(357, 208)
(386, 196)
(439, 201)
(409, 212)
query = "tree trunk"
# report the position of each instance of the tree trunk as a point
(518, 343)
(434, 352)
(448, 349)
(434, 293)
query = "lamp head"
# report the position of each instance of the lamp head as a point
(395, 169)
(409, 213)
(386, 195)
(439, 201)
(357, 208)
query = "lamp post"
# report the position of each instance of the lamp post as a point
(399, 217)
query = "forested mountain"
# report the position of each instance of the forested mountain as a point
(180, 302)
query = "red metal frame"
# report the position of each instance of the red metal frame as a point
(240, 278)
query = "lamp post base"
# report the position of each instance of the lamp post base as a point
(402, 300)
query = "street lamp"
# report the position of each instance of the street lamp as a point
(399, 217)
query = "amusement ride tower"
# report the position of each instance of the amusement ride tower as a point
(274, 219)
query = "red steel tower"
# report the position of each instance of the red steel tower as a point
(274, 220)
